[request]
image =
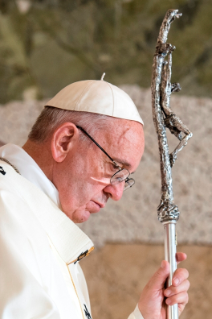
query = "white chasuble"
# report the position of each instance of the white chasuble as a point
(40, 248)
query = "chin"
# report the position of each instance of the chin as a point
(80, 216)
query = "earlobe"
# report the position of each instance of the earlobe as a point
(62, 141)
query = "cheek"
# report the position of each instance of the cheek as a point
(77, 194)
(74, 195)
(73, 179)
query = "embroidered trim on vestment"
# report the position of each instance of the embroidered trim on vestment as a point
(6, 161)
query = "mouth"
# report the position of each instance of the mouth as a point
(101, 205)
(95, 206)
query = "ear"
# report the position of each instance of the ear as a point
(63, 140)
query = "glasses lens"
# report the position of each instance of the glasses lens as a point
(119, 176)
(129, 183)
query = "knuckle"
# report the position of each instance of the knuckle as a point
(184, 298)
(179, 298)
(183, 287)
(182, 273)
(186, 273)
(174, 290)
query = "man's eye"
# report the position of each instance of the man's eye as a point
(116, 168)
(113, 168)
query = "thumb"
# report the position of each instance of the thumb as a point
(159, 278)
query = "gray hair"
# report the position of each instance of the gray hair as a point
(51, 118)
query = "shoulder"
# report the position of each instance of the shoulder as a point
(22, 236)
(16, 187)
(19, 199)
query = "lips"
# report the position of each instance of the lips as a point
(94, 207)
(99, 204)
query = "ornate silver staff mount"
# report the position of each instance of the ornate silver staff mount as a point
(164, 118)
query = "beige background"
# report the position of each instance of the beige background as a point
(116, 275)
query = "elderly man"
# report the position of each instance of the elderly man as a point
(80, 153)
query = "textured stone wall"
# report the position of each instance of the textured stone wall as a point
(134, 218)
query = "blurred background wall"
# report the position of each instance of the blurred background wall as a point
(47, 44)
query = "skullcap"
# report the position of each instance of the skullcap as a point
(96, 96)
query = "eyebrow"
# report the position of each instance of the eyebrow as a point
(120, 161)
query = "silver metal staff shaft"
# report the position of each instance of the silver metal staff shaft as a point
(170, 256)
(164, 118)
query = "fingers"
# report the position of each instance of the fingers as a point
(151, 302)
(181, 298)
(180, 257)
(180, 275)
(158, 279)
(177, 293)
(171, 291)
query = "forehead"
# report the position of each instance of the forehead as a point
(124, 142)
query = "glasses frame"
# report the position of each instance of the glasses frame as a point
(127, 179)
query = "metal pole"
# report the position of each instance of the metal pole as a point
(170, 256)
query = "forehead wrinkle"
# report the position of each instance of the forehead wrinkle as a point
(123, 139)
(120, 135)
(123, 135)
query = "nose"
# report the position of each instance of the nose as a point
(115, 191)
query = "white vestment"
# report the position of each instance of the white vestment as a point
(40, 276)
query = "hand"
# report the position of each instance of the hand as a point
(152, 304)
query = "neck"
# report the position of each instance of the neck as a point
(41, 154)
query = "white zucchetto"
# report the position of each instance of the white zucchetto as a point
(98, 97)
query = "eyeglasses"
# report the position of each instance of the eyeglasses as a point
(122, 175)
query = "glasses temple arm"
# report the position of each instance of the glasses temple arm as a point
(79, 127)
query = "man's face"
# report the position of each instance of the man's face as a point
(83, 178)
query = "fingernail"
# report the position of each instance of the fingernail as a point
(162, 265)
(176, 281)
(168, 292)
